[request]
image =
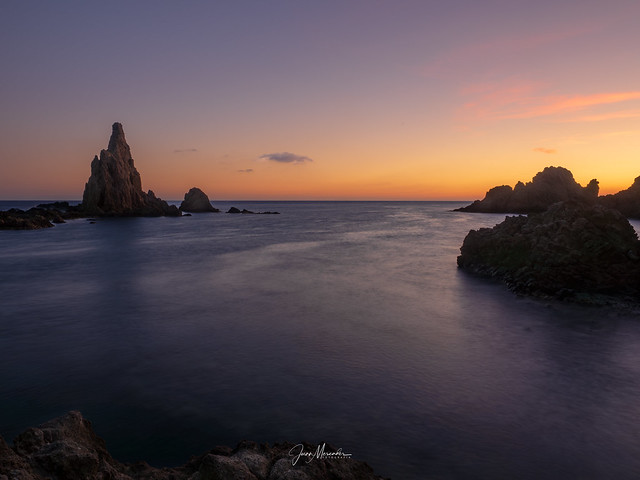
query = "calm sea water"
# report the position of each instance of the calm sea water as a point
(340, 322)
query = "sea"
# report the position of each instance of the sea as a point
(340, 322)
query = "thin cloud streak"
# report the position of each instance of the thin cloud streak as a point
(548, 151)
(556, 105)
(285, 157)
(606, 116)
(185, 150)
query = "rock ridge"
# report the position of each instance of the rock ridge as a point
(551, 185)
(67, 448)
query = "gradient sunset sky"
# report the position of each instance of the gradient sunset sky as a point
(320, 100)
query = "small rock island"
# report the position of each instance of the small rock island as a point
(196, 201)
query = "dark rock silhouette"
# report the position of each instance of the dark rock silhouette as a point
(196, 201)
(237, 210)
(553, 184)
(245, 211)
(626, 201)
(32, 219)
(115, 188)
(573, 251)
(68, 448)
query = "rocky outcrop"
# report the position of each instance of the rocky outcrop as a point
(42, 216)
(32, 219)
(626, 201)
(586, 253)
(196, 201)
(67, 448)
(115, 188)
(552, 185)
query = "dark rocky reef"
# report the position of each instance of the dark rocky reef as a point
(626, 201)
(42, 216)
(196, 201)
(32, 219)
(552, 185)
(115, 188)
(67, 448)
(572, 251)
(245, 211)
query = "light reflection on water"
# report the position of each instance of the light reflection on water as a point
(339, 322)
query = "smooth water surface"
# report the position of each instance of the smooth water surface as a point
(345, 322)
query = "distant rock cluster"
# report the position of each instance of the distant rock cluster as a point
(245, 211)
(552, 185)
(67, 448)
(114, 189)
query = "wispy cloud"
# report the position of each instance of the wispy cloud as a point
(285, 157)
(517, 99)
(185, 150)
(563, 104)
(246, 170)
(545, 150)
(606, 116)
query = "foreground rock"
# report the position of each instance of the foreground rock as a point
(196, 201)
(552, 185)
(115, 188)
(626, 201)
(585, 253)
(67, 448)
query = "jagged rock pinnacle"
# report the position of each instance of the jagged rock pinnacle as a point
(115, 187)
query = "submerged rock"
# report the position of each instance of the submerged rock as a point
(552, 185)
(571, 251)
(68, 448)
(196, 201)
(115, 188)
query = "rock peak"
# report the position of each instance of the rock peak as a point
(118, 143)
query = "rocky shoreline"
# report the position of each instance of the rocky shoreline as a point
(67, 448)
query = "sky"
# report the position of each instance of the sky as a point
(319, 100)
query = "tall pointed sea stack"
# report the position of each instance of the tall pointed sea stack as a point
(114, 187)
